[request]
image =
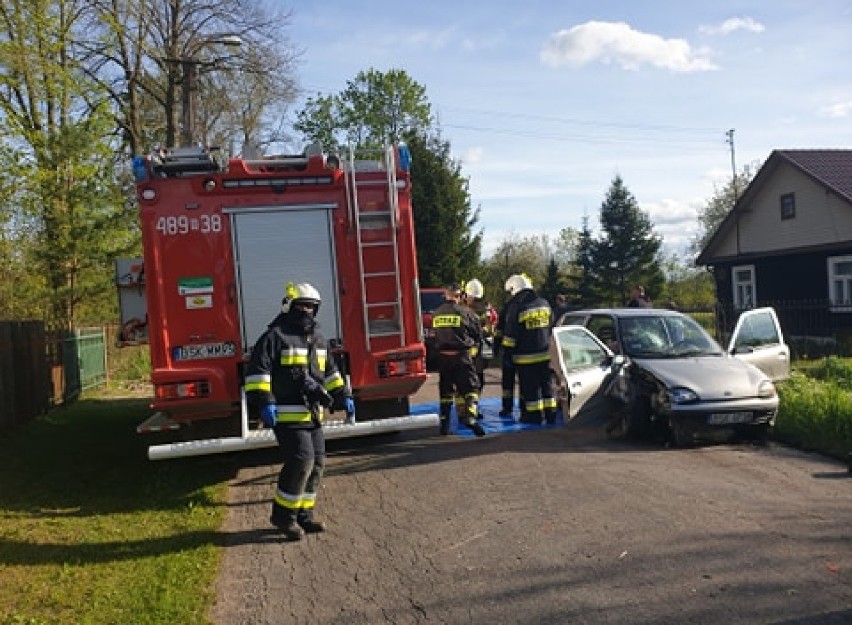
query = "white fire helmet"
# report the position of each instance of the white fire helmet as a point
(474, 289)
(517, 283)
(302, 292)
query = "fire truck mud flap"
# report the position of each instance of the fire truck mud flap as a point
(256, 439)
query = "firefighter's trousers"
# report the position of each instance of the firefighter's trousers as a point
(457, 376)
(537, 400)
(303, 450)
(507, 382)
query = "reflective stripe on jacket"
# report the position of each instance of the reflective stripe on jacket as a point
(528, 328)
(280, 361)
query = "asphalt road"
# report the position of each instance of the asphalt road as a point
(551, 526)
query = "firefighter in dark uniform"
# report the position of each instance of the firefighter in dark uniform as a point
(507, 366)
(292, 380)
(458, 333)
(472, 295)
(527, 334)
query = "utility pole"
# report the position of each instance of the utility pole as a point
(730, 141)
(730, 135)
(189, 65)
(189, 85)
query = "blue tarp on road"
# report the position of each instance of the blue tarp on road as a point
(492, 421)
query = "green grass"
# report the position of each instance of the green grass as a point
(93, 532)
(816, 407)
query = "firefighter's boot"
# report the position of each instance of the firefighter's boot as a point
(508, 403)
(471, 411)
(550, 416)
(446, 408)
(287, 526)
(312, 527)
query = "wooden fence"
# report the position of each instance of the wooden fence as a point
(40, 369)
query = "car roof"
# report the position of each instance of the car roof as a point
(625, 312)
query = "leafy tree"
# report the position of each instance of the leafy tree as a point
(533, 255)
(687, 287)
(626, 253)
(444, 220)
(553, 283)
(63, 215)
(720, 204)
(375, 109)
(136, 51)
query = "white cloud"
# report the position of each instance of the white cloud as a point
(471, 156)
(670, 212)
(617, 42)
(733, 24)
(838, 109)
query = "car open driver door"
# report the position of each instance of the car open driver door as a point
(584, 372)
(757, 339)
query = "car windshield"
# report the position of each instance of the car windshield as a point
(665, 336)
(430, 300)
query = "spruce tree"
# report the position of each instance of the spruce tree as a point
(447, 248)
(627, 251)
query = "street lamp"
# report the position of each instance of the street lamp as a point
(189, 71)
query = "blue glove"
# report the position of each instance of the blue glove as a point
(349, 405)
(268, 414)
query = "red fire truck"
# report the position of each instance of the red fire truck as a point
(221, 241)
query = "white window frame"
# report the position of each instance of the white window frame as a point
(843, 282)
(741, 286)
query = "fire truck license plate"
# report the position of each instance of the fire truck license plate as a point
(205, 350)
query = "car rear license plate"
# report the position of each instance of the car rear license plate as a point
(205, 350)
(724, 418)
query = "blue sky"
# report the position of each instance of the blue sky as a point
(544, 102)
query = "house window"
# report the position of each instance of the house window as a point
(744, 288)
(840, 283)
(788, 206)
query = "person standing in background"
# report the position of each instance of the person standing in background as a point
(527, 334)
(638, 298)
(458, 333)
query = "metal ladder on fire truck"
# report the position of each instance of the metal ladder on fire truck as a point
(376, 232)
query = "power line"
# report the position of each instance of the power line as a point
(706, 137)
(581, 122)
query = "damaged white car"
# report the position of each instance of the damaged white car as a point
(643, 370)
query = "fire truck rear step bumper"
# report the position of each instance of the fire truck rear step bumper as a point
(158, 422)
(256, 439)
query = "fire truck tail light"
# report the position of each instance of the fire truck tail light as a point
(183, 390)
(393, 368)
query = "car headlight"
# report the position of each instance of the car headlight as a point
(766, 389)
(682, 395)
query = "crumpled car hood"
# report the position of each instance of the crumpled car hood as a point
(713, 378)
